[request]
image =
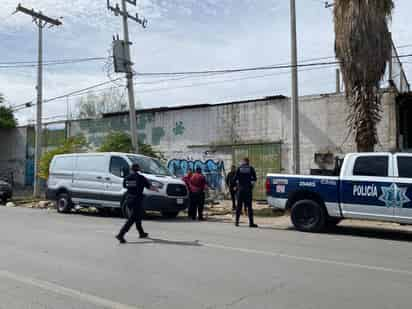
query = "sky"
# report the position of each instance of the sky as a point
(182, 35)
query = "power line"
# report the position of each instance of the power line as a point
(261, 68)
(310, 66)
(54, 60)
(218, 82)
(228, 71)
(80, 91)
(89, 89)
(28, 64)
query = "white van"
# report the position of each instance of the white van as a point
(96, 179)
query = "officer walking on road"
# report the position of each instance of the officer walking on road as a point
(135, 184)
(245, 178)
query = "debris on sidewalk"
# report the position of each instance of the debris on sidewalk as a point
(10, 204)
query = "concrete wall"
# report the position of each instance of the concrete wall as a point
(13, 153)
(192, 133)
(207, 132)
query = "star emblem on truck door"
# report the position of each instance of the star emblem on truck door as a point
(394, 197)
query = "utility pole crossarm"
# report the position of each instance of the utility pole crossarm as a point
(39, 16)
(118, 11)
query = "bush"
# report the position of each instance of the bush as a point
(71, 145)
(122, 142)
(7, 120)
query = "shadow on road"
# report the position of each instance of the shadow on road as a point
(150, 240)
(383, 233)
(373, 232)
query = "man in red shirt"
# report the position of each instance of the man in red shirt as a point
(186, 179)
(197, 186)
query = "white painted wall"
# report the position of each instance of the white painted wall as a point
(322, 124)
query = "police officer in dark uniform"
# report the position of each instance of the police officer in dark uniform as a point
(245, 178)
(135, 184)
(231, 184)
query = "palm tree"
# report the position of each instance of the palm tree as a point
(363, 46)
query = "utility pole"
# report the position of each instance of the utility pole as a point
(41, 21)
(129, 71)
(295, 94)
(337, 81)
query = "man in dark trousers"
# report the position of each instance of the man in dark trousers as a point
(135, 184)
(231, 184)
(186, 179)
(197, 188)
(245, 179)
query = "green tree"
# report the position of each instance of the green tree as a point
(71, 145)
(7, 120)
(363, 46)
(121, 142)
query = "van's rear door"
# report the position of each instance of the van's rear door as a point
(61, 171)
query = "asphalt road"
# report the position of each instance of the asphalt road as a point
(49, 260)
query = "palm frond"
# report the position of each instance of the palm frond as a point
(363, 45)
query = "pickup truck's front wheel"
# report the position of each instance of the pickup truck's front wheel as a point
(308, 216)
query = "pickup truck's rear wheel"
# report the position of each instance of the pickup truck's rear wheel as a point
(308, 216)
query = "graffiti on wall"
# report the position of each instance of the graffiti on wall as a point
(214, 171)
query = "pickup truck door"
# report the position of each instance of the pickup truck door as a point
(403, 189)
(365, 188)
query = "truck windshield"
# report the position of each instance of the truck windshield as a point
(150, 166)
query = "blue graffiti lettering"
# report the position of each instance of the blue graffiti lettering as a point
(214, 171)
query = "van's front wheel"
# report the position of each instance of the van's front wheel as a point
(308, 216)
(63, 203)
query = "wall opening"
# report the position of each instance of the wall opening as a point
(405, 123)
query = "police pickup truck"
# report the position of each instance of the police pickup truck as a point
(372, 186)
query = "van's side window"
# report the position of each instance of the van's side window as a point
(63, 163)
(117, 165)
(371, 166)
(405, 167)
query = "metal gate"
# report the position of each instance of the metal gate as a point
(265, 158)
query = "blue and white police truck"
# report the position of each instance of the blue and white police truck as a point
(372, 186)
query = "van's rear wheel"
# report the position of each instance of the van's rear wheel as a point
(64, 203)
(308, 216)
